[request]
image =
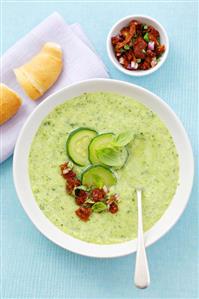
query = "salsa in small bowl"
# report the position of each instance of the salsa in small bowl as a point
(137, 45)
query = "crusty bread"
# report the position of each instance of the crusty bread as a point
(9, 103)
(41, 72)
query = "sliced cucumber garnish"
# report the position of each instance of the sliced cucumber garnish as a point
(77, 145)
(99, 142)
(98, 176)
(101, 151)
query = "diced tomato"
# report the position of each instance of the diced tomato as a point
(80, 197)
(150, 53)
(159, 50)
(125, 32)
(130, 56)
(66, 172)
(126, 62)
(63, 166)
(152, 38)
(69, 188)
(72, 182)
(128, 36)
(83, 213)
(145, 65)
(115, 40)
(154, 32)
(70, 174)
(139, 48)
(113, 208)
(97, 194)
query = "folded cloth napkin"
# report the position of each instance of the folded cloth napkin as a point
(80, 63)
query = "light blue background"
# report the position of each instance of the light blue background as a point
(33, 267)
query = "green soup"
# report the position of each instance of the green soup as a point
(152, 164)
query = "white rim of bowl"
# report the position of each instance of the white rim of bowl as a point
(89, 249)
(137, 73)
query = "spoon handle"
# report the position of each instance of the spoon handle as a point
(142, 277)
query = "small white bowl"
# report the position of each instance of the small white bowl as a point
(123, 23)
(22, 181)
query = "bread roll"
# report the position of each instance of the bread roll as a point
(41, 72)
(9, 103)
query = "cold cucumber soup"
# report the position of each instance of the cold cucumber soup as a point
(116, 144)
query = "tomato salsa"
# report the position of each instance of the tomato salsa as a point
(88, 199)
(137, 46)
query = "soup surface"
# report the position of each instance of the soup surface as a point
(152, 164)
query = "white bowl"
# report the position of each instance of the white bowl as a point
(123, 23)
(22, 182)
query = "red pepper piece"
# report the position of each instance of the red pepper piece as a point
(83, 213)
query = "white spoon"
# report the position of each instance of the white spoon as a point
(142, 276)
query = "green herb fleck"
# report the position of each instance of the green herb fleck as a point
(139, 60)
(99, 207)
(146, 37)
(47, 123)
(126, 47)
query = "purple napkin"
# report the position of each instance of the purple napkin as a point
(80, 62)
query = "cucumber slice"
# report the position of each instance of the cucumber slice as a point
(99, 153)
(77, 145)
(98, 176)
(98, 142)
(115, 157)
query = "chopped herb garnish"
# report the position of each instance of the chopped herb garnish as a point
(146, 37)
(99, 207)
(145, 27)
(126, 47)
(122, 50)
